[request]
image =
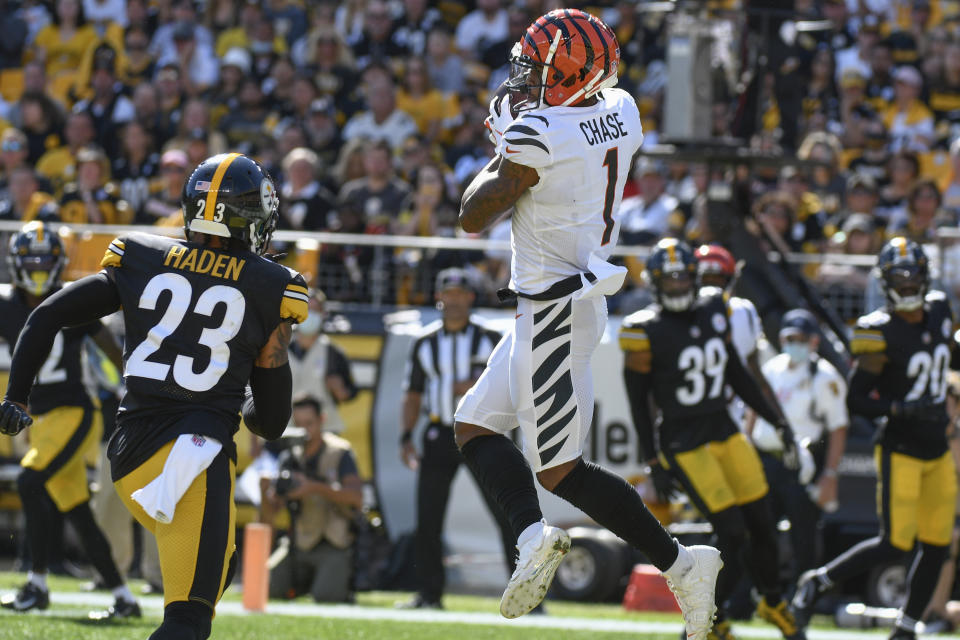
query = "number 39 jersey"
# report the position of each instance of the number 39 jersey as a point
(916, 367)
(688, 363)
(583, 157)
(60, 380)
(196, 320)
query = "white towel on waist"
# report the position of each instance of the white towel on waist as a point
(190, 455)
(609, 279)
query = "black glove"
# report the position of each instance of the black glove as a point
(791, 458)
(13, 419)
(923, 409)
(664, 484)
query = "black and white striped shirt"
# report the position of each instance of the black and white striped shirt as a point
(439, 359)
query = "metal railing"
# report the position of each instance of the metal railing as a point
(386, 270)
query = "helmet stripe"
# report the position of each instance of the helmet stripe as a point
(672, 251)
(215, 184)
(587, 45)
(39, 232)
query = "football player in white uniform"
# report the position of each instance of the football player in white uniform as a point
(565, 141)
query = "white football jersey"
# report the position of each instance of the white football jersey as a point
(745, 327)
(583, 156)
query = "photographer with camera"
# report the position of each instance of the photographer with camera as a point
(321, 488)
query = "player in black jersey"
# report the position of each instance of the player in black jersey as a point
(67, 426)
(679, 351)
(902, 354)
(203, 317)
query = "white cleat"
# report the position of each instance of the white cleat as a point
(537, 563)
(696, 590)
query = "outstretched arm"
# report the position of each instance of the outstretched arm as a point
(495, 189)
(84, 301)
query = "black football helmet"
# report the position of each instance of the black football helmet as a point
(671, 270)
(904, 273)
(231, 196)
(36, 259)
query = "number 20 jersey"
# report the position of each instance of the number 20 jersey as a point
(688, 366)
(196, 320)
(918, 357)
(583, 157)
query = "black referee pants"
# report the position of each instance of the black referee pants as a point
(789, 499)
(440, 459)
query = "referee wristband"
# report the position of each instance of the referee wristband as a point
(406, 437)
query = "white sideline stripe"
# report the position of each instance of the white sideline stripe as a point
(154, 604)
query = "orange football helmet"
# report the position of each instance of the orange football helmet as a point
(714, 260)
(565, 57)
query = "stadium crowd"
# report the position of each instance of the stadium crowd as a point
(370, 114)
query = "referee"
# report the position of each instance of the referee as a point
(444, 363)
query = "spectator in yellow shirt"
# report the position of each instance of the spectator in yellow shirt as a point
(908, 120)
(24, 200)
(92, 199)
(243, 36)
(61, 45)
(59, 165)
(434, 112)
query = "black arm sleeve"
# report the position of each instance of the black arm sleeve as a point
(267, 409)
(338, 365)
(638, 394)
(82, 302)
(747, 388)
(859, 395)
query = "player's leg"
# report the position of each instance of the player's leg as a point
(896, 506)
(197, 551)
(507, 537)
(937, 497)
(438, 466)
(53, 471)
(557, 390)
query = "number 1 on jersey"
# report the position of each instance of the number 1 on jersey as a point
(610, 162)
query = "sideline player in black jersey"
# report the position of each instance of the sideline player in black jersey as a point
(204, 317)
(67, 426)
(902, 353)
(679, 351)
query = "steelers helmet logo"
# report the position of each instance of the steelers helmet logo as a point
(268, 195)
(719, 322)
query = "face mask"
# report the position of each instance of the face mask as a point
(310, 326)
(798, 351)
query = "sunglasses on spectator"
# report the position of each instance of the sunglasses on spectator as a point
(11, 145)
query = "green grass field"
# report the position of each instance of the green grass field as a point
(67, 620)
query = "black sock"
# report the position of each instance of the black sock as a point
(33, 496)
(184, 621)
(862, 557)
(503, 472)
(613, 503)
(95, 544)
(923, 578)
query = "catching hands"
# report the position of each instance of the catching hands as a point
(13, 418)
(500, 117)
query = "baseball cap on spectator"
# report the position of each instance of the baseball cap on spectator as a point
(175, 158)
(647, 165)
(908, 75)
(237, 57)
(852, 78)
(799, 321)
(13, 140)
(861, 182)
(454, 277)
(857, 222)
(323, 106)
(183, 31)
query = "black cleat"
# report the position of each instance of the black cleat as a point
(419, 602)
(30, 596)
(121, 609)
(808, 591)
(899, 633)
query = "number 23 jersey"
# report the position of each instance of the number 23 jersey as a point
(918, 356)
(196, 320)
(688, 362)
